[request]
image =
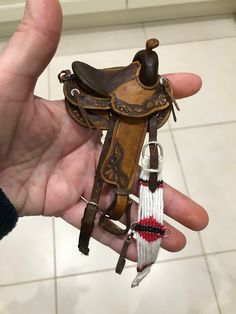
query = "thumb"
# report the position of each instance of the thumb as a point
(35, 41)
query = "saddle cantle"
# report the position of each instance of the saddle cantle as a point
(128, 102)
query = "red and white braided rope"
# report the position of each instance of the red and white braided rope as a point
(149, 228)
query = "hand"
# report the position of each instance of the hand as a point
(47, 161)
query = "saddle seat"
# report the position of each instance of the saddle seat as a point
(102, 82)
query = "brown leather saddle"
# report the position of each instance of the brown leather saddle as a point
(128, 102)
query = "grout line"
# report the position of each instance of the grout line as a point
(112, 269)
(27, 282)
(128, 267)
(144, 30)
(103, 270)
(146, 37)
(196, 18)
(167, 21)
(202, 125)
(177, 259)
(179, 161)
(56, 296)
(220, 252)
(199, 234)
(210, 274)
(198, 40)
(134, 266)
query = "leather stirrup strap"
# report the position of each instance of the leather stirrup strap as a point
(152, 125)
(87, 222)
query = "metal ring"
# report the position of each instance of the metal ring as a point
(84, 199)
(73, 91)
(88, 202)
(93, 204)
(99, 211)
(163, 80)
(168, 233)
(157, 144)
(133, 225)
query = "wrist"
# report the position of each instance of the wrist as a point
(8, 215)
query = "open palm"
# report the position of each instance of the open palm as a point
(47, 161)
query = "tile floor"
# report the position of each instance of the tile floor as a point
(41, 270)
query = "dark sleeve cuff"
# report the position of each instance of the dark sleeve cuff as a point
(8, 215)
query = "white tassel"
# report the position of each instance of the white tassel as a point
(150, 220)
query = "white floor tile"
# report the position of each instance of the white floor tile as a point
(223, 271)
(191, 29)
(37, 298)
(101, 39)
(208, 158)
(27, 252)
(173, 287)
(71, 261)
(171, 169)
(215, 62)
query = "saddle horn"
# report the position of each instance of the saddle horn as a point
(149, 63)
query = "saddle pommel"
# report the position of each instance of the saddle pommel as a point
(148, 59)
(152, 44)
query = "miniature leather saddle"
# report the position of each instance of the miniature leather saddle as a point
(128, 102)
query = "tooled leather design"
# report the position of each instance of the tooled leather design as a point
(101, 121)
(89, 102)
(157, 103)
(112, 168)
(153, 104)
(86, 100)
